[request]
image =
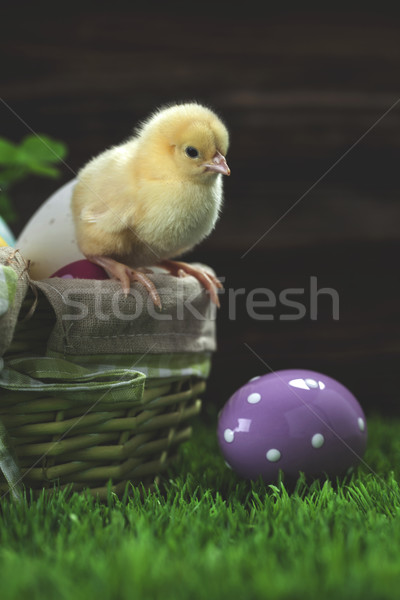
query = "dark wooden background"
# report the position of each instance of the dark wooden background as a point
(297, 90)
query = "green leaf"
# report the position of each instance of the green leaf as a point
(11, 175)
(6, 209)
(43, 148)
(34, 155)
(8, 152)
(41, 169)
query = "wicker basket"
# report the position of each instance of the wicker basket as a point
(58, 442)
(63, 440)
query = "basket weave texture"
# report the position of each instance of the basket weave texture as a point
(95, 420)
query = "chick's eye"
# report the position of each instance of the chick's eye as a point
(191, 152)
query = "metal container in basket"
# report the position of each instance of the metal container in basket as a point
(92, 389)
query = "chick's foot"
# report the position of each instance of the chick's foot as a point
(126, 275)
(181, 269)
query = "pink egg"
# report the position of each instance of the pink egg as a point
(81, 269)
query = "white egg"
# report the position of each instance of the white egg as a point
(48, 240)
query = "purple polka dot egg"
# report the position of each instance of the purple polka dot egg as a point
(292, 420)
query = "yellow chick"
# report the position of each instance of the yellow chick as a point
(154, 197)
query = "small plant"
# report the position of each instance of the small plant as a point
(35, 155)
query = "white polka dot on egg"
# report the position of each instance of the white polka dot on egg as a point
(254, 398)
(361, 424)
(255, 378)
(317, 440)
(229, 435)
(311, 383)
(273, 455)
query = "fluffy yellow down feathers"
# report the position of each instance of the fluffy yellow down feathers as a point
(154, 197)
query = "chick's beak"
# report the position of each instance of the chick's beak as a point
(218, 164)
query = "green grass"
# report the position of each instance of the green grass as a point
(208, 535)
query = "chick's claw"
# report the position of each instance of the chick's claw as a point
(207, 279)
(147, 283)
(126, 275)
